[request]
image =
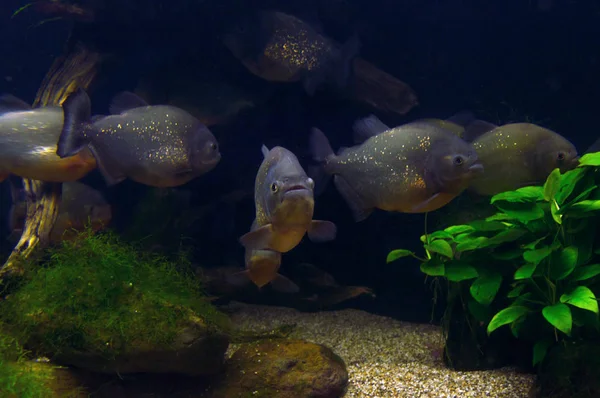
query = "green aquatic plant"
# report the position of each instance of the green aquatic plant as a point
(534, 264)
(98, 294)
(16, 377)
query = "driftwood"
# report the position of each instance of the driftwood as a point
(76, 68)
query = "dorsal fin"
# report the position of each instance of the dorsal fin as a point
(476, 129)
(125, 101)
(368, 127)
(462, 118)
(10, 103)
(265, 150)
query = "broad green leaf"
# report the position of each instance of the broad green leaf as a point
(516, 291)
(464, 237)
(554, 212)
(587, 272)
(524, 212)
(590, 159)
(440, 246)
(433, 267)
(508, 235)
(507, 254)
(524, 299)
(532, 245)
(436, 235)
(472, 244)
(581, 208)
(525, 271)
(500, 217)
(582, 297)
(516, 326)
(539, 351)
(396, 254)
(480, 312)
(485, 288)
(568, 182)
(536, 256)
(482, 225)
(506, 316)
(586, 193)
(559, 316)
(459, 229)
(459, 271)
(563, 263)
(552, 185)
(521, 195)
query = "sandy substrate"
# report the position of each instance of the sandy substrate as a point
(385, 357)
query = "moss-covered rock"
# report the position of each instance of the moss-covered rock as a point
(100, 304)
(282, 368)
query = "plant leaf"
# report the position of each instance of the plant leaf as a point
(507, 254)
(554, 212)
(459, 271)
(580, 208)
(516, 291)
(508, 235)
(552, 185)
(587, 272)
(568, 182)
(484, 225)
(485, 288)
(436, 235)
(506, 316)
(559, 316)
(536, 256)
(471, 244)
(563, 263)
(459, 229)
(524, 212)
(582, 297)
(522, 195)
(590, 159)
(480, 312)
(440, 246)
(396, 254)
(433, 267)
(525, 271)
(539, 351)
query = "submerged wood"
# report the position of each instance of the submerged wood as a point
(76, 68)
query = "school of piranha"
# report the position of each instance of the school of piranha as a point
(416, 167)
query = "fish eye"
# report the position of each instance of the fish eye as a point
(560, 156)
(458, 160)
(311, 183)
(274, 187)
(213, 146)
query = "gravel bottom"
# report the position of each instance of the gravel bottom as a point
(385, 357)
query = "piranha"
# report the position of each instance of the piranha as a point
(413, 168)
(28, 140)
(519, 154)
(161, 145)
(81, 207)
(284, 200)
(280, 47)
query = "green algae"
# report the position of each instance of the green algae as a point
(16, 378)
(98, 294)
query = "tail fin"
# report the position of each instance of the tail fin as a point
(322, 152)
(339, 69)
(343, 68)
(77, 114)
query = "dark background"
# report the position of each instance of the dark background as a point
(512, 60)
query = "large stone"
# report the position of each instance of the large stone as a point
(282, 368)
(196, 350)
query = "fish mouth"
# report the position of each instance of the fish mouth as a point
(297, 187)
(477, 168)
(296, 191)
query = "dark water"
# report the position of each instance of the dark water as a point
(505, 60)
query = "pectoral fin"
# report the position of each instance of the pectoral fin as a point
(284, 285)
(322, 231)
(260, 238)
(239, 278)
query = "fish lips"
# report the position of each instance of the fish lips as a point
(296, 191)
(476, 169)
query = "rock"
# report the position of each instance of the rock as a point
(195, 351)
(282, 368)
